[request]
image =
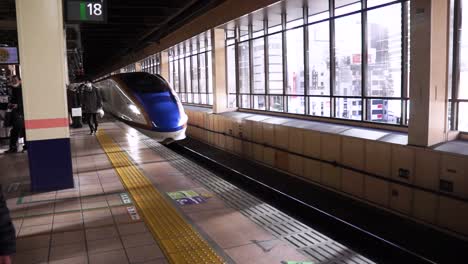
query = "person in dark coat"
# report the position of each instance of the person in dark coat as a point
(17, 115)
(90, 103)
(7, 233)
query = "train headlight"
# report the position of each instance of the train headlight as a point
(134, 109)
(183, 120)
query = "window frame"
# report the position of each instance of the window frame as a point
(365, 99)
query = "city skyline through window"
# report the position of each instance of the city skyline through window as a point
(342, 87)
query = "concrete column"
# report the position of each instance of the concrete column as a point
(429, 71)
(220, 94)
(43, 67)
(165, 65)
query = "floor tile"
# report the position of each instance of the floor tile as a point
(99, 217)
(109, 257)
(121, 215)
(67, 217)
(137, 240)
(31, 256)
(32, 242)
(93, 202)
(274, 252)
(228, 235)
(68, 226)
(101, 245)
(72, 193)
(35, 230)
(72, 260)
(37, 220)
(67, 237)
(133, 228)
(156, 261)
(67, 205)
(68, 251)
(101, 233)
(40, 208)
(144, 253)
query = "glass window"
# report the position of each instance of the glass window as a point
(319, 106)
(260, 69)
(384, 52)
(258, 63)
(296, 104)
(210, 72)
(182, 74)
(348, 56)
(231, 68)
(275, 64)
(346, 6)
(188, 78)
(295, 61)
(319, 59)
(348, 108)
(372, 3)
(317, 7)
(276, 103)
(382, 110)
(194, 60)
(176, 75)
(245, 101)
(244, 70)
(202, 71)
(259, 102)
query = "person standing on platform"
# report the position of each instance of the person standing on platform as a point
(90, 103)
(7, 233)
(17, 115)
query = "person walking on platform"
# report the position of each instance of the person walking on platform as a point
(7, 233)
(16, 115)
(91, 103)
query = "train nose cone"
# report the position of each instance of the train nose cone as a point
(162, 110)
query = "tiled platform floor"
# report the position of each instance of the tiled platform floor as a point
(91, 223)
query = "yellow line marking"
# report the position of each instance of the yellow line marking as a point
(179, 241)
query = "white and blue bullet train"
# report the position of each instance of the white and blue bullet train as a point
(145, 101)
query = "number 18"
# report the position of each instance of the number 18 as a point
(95, 9)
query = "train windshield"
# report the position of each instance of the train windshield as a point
(145, 83)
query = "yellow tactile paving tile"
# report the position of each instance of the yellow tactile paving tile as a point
(177, 238)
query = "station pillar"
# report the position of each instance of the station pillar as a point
(42, 52)
(165, 65)
(429, 72)
(220, 92)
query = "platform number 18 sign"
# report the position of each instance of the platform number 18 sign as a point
(83, 11)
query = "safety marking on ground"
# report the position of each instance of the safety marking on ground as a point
(133, 213)
(187, 197)
(125, 198)
(180, 242)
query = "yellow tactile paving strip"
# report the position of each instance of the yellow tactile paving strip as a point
(177, 238)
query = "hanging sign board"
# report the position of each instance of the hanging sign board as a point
(86, 11)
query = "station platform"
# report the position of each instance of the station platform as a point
(136, 201)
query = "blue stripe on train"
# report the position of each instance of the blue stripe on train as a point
(163, 111)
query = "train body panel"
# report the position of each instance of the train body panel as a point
(144, 101)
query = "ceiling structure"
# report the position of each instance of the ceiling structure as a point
(131, 25)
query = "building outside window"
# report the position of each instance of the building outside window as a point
(190, 70)
(363, 81)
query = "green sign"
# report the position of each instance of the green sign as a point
(79, 11)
